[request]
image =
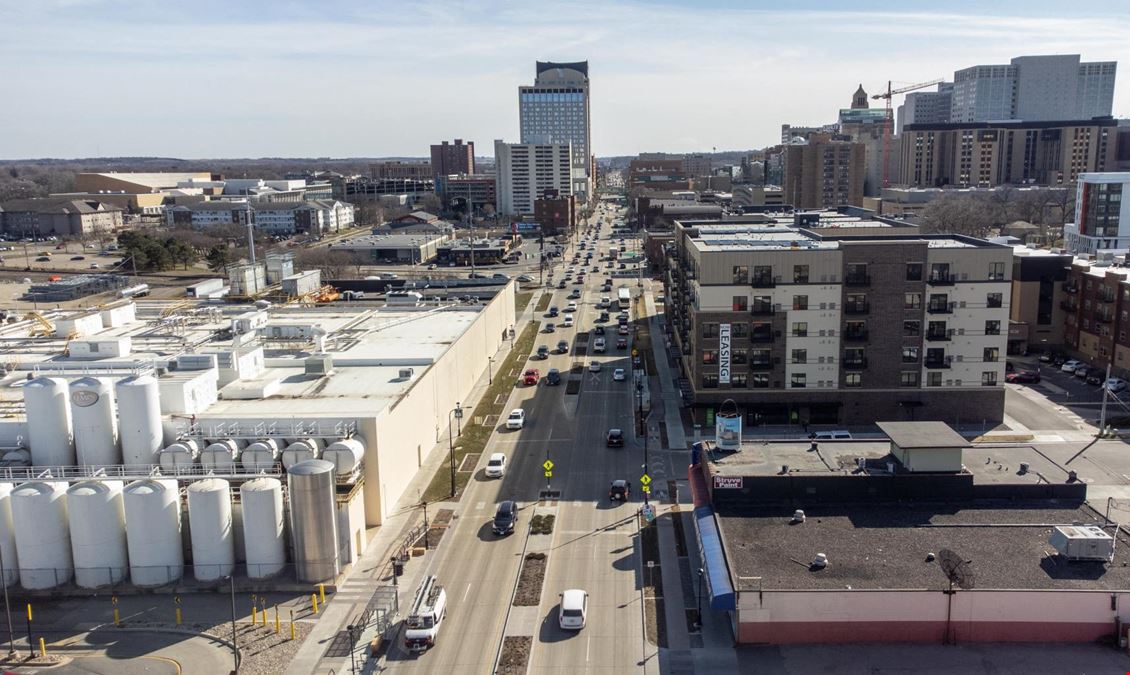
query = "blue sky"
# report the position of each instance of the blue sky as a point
(346, 78)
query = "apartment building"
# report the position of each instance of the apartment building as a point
(397, 170)
(1102, 213)
(524, 171)
(314, 217)
(1037, 311)
(986, 154)
(824, 173)
(476, 191)
(1098, 314)
(840, 324)
(63, 217)
(453, 158)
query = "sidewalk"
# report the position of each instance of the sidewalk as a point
(358, 585)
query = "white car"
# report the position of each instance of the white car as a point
(598, 345)
(496, 465)
(568, 322)
(1071, 366)
(517, 419)
(619, 375)
(1115, 384)
(574, 609)
(571, 307)
(594, 367)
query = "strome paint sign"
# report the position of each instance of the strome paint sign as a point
(724, 353)
(728, 482)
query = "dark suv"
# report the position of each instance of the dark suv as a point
(615, 438)
(620, 490)
(553, 377)
(505, 517)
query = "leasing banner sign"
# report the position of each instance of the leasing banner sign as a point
(724, 353)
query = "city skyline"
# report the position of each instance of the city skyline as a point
(129, 79)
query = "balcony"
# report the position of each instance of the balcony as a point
(1072, 289)
(940, 279)
(1107, 297)
(939, 363)
(761, 365)
(857, 308)
(939, 335)
(1103, 318)
(762, 309)
(857, 280)
(855, 335)
(1068, 306)
(940, 307)
(762, 281)
(855, 364)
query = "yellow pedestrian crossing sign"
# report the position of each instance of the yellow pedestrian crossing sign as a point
(548, 465)
(645, 479)
(647, 489)
(548, 474)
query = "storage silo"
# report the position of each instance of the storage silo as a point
(313, 520)
(302, 450)
(43, 542)
(8, 537)
(181, 453)
(95, 423)
(210, 526)
(345, 454)
(260, 455)
(153, 534)
(97, 517)
(139, 419)
(49, 422)
(221, 455)
(263, 524)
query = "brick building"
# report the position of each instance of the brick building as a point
(824, 173)
(557, 214)
(453, 158)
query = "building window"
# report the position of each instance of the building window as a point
(853, 379)
(709, 356)
(910, 354)
(800, 302)
(912, 301)
(763, 275)
(911, 328)
(759, 380)
(800, 329)
(738, 381)
(741, 274)
(709, 381)
(741, 303)
(739, 330)
(933, 379)
(989, 378)
(914, 271)
(992, 328)
(710, 330)
(800, 274)
(996, 271)
(909, 378)
(738, 356)
(798, 380)
(994, 300)
(991, 354)
(853, 358)
(800, 356)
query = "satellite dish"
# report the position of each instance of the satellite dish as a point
(957, 569)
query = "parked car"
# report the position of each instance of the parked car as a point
(505, 518)
(594, 367)
(42, 258)
(1081, 372)
(1115, 385)
(1023, 377)
(1071, 366)
(517, 419)
(615, 438)
(496, 466)
(620, 490)
(78, 257)
(553, 377)
(1095, 377)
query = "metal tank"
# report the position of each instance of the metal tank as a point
(210, 526)
(97, 518)
(345, 454)
(153, 533)
(8, 537)
(263, 524)
(302, 450)
(181, 453)
(49, 422)
(260, 455)
(221, 455)
(43, 542)
(17, 458)
(95, 423)
(313, 520)
(139, 419)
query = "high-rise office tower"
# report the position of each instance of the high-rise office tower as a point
(556, 110)
(1034, 89)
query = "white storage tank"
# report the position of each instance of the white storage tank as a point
(8, 537)
(302, 450)
(43, 542)
(97, 518)
(139, 420)
(313, 520)
(95, 422)
(210, 526)
(181, 453)
(345, 454)
(49, 422)
(260, 455)
(263, 522)
(153, 532)
(221, 455)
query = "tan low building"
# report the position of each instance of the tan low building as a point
(60, 217)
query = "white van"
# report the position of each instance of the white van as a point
(598, 345)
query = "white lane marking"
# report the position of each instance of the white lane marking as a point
(588, 647)
(466, 592)
(479, 506)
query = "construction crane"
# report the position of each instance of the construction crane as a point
(887, 126)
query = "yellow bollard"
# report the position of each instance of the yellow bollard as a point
(180, 616)
(322, 593)
(42, 647)
(117, 614)
(29, 612)
(292, 630)
(278, 626)
(313, 603)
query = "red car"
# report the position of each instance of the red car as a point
(1023, 377)
(531, 377)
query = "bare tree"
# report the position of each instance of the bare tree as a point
(958, 214)
(1003, 197)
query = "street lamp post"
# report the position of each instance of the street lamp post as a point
(490, 373)
(458, 412)
(643, 431)
(352, 648)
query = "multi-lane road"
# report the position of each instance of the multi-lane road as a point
(594, 544)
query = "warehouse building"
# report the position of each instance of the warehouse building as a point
(411, 249)
(918, 538)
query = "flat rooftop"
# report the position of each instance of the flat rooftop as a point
(885, 547)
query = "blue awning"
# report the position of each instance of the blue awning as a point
(717, 575)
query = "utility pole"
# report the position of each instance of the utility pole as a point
(250, 232)
(1106, 392)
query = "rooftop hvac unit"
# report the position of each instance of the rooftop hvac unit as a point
(319, 365)
(196, 361)
(1082, 542)
(406, 373)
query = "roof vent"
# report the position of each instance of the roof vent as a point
(406, 373)
(798, 516)
(820, 561)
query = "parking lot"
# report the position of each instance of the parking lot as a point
(1060, 401)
